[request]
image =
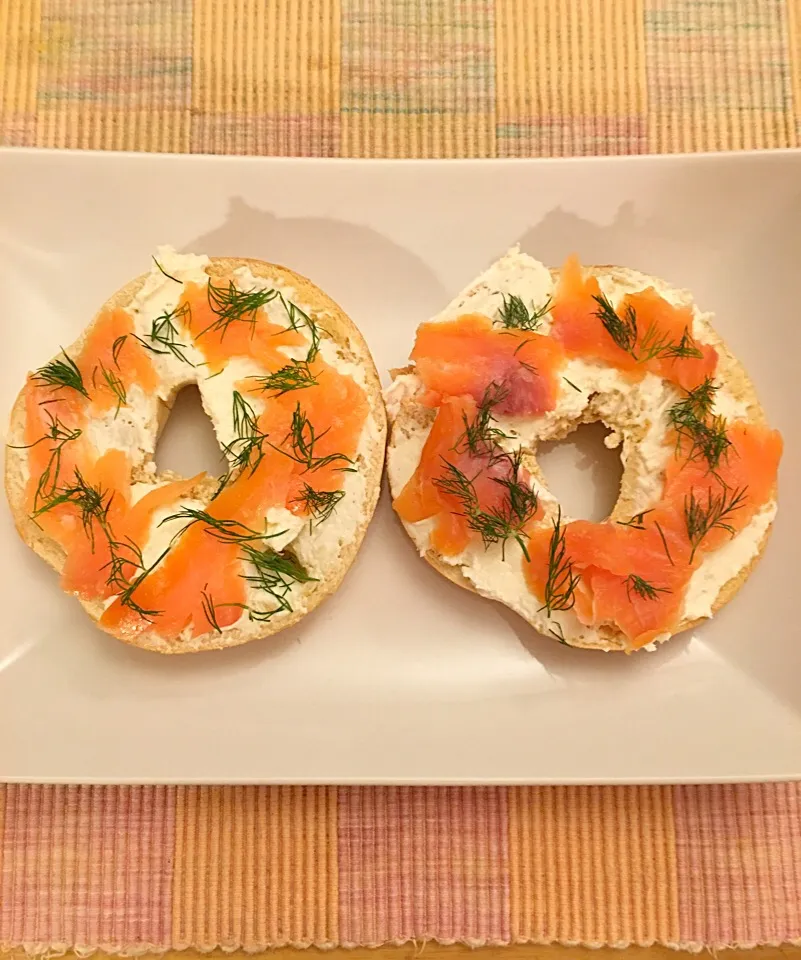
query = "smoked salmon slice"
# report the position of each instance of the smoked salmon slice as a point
(643, 334)
(226, 323)
(463, 357)
(469, 489)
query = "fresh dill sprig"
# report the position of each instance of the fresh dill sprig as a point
(561, 583)
(303, 439)
(642, 588)
(126, 597)
(319, 504)
(124, 553)
(209, 609)
(296, 375)
(246, 450)
(94, 505)
(92, 502)
(637, 521)
(226, 531)
(116, 349)
(275, 574)
(500, 523)
(685, 348)
(299, 319)
(161, 270)
(701, 518)
(696, 404)
(58, 435)
(113, 382)
(555, 629)
(165, 337)
(652, 345)
(663, 538)
(480, 437)
(623, 330)
(691, 419)
(515, 315)
(230, 304)
(62, 373)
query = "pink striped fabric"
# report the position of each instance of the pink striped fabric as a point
(83, 865)
(738, 850)
(423, 862)
(126, 869)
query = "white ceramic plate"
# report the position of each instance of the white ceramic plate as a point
(402, 677)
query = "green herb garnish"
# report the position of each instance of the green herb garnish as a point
(498, 524)
(561, 584)
(231, 305)
(113, 382)
(58, 435)
(303, 439)
(296, 375)
(652, 345)
(165, 337)
(480, 437)
(161, 270)
(701, 518)
(515, 315)
(319, 504)
(642, 588)
(62, 373)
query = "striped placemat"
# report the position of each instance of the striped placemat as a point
(130, 869)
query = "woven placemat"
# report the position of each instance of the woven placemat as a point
(129, 869)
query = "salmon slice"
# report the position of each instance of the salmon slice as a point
(424, 496)
(660, 341)
(113, 360)
(325, 421)
(635, 575)
(218, 340)
(88, 570)
(463, 357)
(200, 566)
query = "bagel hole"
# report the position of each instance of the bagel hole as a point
(582, 473)
(187, 444)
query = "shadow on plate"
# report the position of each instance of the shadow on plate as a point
(370, 275)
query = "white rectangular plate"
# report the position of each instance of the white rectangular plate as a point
(402, 677)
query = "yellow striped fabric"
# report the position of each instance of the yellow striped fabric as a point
(255, 865)
(395, 78)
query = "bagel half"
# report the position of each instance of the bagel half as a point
(410, 419)
(341, 336)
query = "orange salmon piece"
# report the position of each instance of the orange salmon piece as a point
(88, 553)
(463, 357)
(750, 465)
(111, 355)
(87, 569)
(423, 498)
(199, 564)
(659, 326)
(250, 336)
(52, 460)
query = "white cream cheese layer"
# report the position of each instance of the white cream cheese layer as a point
(635, 411)
(134, 429)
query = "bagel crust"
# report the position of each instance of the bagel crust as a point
(636, 416)
(325, 549)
